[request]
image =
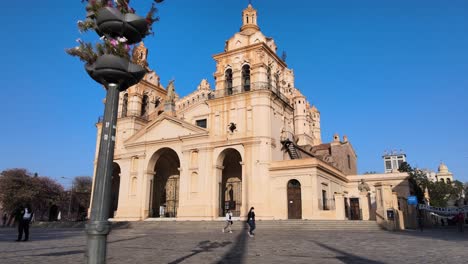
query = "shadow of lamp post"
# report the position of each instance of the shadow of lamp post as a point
(110, 66)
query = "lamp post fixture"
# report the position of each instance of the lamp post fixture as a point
(118, 26)
(71, 197)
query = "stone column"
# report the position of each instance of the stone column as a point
(339, 206)
(259, 74)
(147, 195)
(217, 180)
(399, 217)
(364, 204)
(384, 203)
(236, 78)
(244, 207)
(134, 104)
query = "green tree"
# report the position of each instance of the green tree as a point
(48, 192)
(465, 191)
(418, 180)
(16, 189)
(19, 187)
(440, 193)
(81, 195)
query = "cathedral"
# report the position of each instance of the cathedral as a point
(252, 140)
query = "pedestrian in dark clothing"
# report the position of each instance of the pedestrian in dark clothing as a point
(420, 223)
(25, 216)
(251, 221)
(4, 218)
(460, 221)
(420, 220)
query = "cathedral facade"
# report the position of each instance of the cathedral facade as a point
(253, 140)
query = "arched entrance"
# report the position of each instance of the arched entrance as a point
(294, 200)
(115, 187)
(231, 182)
(164, 199)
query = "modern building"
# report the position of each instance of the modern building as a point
(253, 140)
(393, 160)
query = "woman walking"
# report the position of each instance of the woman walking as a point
(251, 221)
(228, 221)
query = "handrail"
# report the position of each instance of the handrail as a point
(379, 215)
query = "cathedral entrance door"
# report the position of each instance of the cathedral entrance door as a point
(294, 200)
(231, 183)
(355, 210)
(165, 185)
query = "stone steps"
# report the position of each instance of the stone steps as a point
(273, 225)
(209, 225)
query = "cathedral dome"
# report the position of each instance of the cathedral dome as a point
(443, 168)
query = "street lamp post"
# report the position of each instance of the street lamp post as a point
(71, 197)
(110, 66)
(99, 226)
(116, 74)
(70, 203)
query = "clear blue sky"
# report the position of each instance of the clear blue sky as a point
(388, 74)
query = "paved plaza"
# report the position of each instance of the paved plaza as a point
(210, 245)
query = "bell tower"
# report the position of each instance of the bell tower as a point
(140, 55)
(249, 20)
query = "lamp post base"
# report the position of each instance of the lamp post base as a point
(97, 232)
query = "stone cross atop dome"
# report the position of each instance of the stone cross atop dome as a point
(249, 20)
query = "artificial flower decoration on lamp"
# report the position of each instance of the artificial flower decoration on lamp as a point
(119, 27)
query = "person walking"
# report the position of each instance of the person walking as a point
(228, 221)
(25, 217)
(420, 220)
(251, 221)
(461, 221)
(4, 218)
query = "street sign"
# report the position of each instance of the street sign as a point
(412, 200)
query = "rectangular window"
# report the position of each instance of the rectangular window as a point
(201, 123)
(349, 162)
(324, 200)
(388, 165)
(399, 163)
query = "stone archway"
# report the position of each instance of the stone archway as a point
(294, 200)
(230, 185)
(115, 189)
(164, 198)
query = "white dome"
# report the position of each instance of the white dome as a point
(443, 168)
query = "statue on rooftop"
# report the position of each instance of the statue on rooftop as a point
(170, 98)
(363, 186)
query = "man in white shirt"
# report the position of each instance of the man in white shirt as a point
(228, 221)
(25, 217)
